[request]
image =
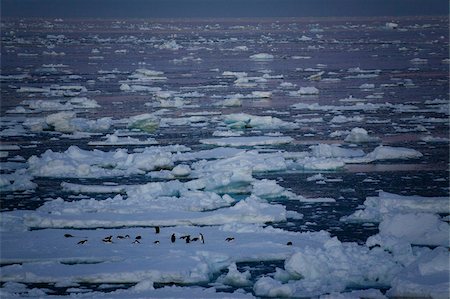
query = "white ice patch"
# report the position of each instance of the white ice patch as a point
(332, 267)
(427, 277)
(412, 228)
(115, 140)
(360, 135)
(261, 57)
(243, 120)
(305, 91)
(247, 141)
(387, 203)
(75, 162)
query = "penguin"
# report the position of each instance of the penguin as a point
(202, 238)
(185, 237)
(157, 229)
(173, 238)
(289, 243)
(195, 239)
(68, 236)
(188, 239)
(107, 239)
(136, 242)
(156, 242)
(229, 239)
(138, 237)
(82, 242)
(123, 237)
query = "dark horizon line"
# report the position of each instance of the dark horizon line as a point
(220, 8)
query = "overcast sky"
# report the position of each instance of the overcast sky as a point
(220, 8)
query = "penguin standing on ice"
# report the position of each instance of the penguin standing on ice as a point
(107, 239)
(202, 238)
(173, 238)
(157, 229)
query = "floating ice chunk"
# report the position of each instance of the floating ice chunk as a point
(362, 71)
(305, 91)
(20, 180)
(144, 122)
(340, 119)
(163, 211)
(67, 122)
(31, 89)
(262, 94)
(83, 103)
(334, 151)
(367, 86)
(419, 61)
(269, 287)
(336, 266)
(243, 120)
(53, 53)
(240, 48)
(427, 277)
(316, 77)
(262, 56)
(287, 85)
(78, 188)
(305, 38)
(360, 135)
(170, 45)
(139, 88)
(236, 278)
(435, 139)
(387, 203)
(234, 74)
(269, 189)
(49, 105)
(316, 177)
(413, 228)
(392, 153)
(227, 133)
(181, 170)
(247, 141)
(231, 102)
(391, 25)
(315, 163)
(114, 140)
(75, 162)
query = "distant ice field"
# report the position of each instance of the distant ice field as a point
(228, 158)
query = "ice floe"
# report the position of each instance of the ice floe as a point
(387, 203)
(247, 141)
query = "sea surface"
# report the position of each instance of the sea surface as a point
(392, 81)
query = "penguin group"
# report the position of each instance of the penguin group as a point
(137, 240)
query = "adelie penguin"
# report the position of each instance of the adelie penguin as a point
(157, 229)
(229, 239)
(82, 242)
(107, 239)
(187, 238)
(173, 238)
